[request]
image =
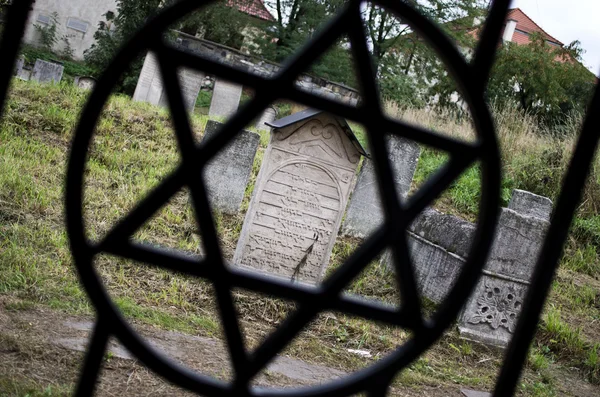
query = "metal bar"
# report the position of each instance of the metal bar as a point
(93, 360)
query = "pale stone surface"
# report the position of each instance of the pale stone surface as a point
(269, 115)
(150, 86)
(474, 393)
(491, 313)
(225, 100)
(227, 174)
(365, 211)
(530, 204)
(299, 198)
(47, 72)
(19, 66)
(85, 82)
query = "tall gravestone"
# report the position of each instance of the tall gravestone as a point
(491, 313)
(364, 213)
(47, 72)
(150, 86)
(300, 196)
(225, 100)
(227, 174)
(267, 117)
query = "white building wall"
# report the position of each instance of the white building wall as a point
(79, 14)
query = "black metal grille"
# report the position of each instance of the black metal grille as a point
(375, 380)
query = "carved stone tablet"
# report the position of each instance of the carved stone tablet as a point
(300, 196)
(227, 174)
(491, 313)
(225, 100)
(365, 213)
(47, 72)
(150, 86)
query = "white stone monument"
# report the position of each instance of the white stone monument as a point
(300, 196)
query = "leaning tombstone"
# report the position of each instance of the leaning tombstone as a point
(225, 100)
(364, 212)
(227, 174)
(527, 203)
(150, 87)
(47, 72)
(85, 82)
(300, 196)
(491, 313)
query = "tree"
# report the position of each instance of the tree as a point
(544, 80)
(114, 31)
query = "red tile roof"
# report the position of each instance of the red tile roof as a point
(526, 26)
(255, 8)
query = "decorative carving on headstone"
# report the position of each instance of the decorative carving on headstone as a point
(498, 306)
(47, 72)
(150, 86)
(300, 196)
(227, 174)
(225, 99)
(364, 213)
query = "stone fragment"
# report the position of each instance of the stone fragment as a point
(85, 82)
(227, 174)
(529, 204)
(47, 72)
(365, 212)
(225, 100)
(150, 86)
(474, 393)
(300, 196)
(491, 313)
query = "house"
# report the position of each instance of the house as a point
(76, 22)
(518, 29)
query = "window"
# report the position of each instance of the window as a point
(45, 19)
(78, 25)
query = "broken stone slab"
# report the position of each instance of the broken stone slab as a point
(475, 393)
(225, 99)
(227, 174)
(47, 72)
(365, 212)
(491, 313)
(529, 204)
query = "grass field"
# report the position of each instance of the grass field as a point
(134, 148)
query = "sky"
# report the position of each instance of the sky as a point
(568, 21)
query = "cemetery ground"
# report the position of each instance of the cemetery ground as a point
(43, 308)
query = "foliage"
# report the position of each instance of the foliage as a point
(545, 80)
(72, 68)
(114, 31)
(47, 33)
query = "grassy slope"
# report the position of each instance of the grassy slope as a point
(134, 148)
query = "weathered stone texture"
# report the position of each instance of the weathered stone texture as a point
(299, 199)
(84, 82)
(47, 72)
(150, 86)
(267, 116)
(227, 174)
(225, 100)
(365, 211)
(492, 311)
(529, 204)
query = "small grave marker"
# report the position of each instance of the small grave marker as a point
(47, 72)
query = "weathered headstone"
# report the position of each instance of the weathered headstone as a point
(438, 245)
(364, 213)
(474, 393)
(268, 116)
(300, 196)
(150, 86)
(527, 203)
(225, 100)
(47, 72)
(19, 66)
(85, 82)
(491, 313)
(227, 174)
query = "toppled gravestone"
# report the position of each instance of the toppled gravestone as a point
(300, 196)
(530, 204)
(225, 99)
(365, 211)
(227, 174)
(47, 72)
(491, 313)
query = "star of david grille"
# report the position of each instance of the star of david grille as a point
(373, 381)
